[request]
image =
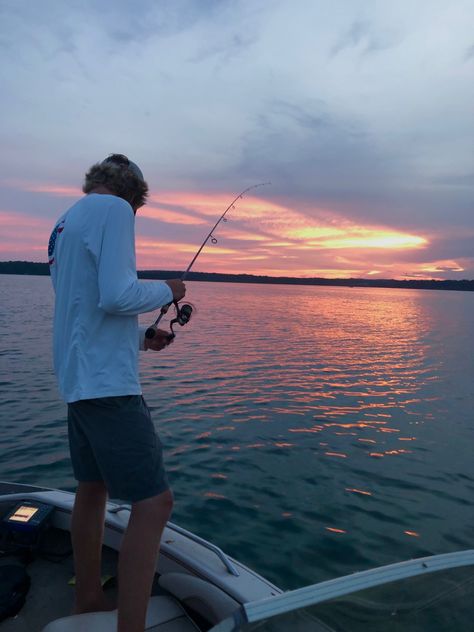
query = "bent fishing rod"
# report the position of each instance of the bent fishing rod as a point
(183, 313)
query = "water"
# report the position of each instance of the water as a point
(309, 431)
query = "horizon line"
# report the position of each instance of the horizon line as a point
(301, 280)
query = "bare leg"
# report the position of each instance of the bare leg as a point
(87, 530)
(137, 561)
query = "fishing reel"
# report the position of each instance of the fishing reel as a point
(183, 316)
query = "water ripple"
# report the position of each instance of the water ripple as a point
(308, 444)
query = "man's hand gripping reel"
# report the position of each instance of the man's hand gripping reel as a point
(183, 316)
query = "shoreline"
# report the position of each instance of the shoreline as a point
(465, 285)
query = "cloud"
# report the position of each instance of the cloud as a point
(450, 266)
(163, 214)
(363, 36)
(469, 54)
(23, 237)
(359, 113)
(460, 179)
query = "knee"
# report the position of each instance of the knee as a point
(165, 502)
(156, 509)
(91, 491)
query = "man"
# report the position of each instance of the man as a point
(113, 444)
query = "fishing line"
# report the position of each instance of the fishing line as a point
(184, 312)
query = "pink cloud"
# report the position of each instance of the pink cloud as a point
(171, 217)
(263, 237)
(23, 237)
(49, 189)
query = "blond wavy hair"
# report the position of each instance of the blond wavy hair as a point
(120, 180)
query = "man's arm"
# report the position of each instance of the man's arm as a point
(119, 289)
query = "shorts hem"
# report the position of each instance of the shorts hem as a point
(89, 479)
(136, 498)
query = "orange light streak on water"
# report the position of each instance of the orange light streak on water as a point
(389, 453)
(203, 435)
(305, 430)
(358, 491)
(295, 375)
(360, 424)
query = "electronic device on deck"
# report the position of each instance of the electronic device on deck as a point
(24, 524)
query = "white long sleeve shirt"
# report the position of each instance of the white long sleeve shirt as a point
(96, 338)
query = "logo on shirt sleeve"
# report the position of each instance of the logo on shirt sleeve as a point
(58, 229)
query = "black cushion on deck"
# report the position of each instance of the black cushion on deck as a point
(14, 586)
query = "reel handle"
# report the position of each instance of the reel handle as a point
(150, 332)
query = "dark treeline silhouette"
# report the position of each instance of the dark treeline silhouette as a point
(42, 269)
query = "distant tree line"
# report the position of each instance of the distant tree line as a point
(42, 269)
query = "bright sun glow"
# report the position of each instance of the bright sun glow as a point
(355, 237)
(377, 240)
(442, 266)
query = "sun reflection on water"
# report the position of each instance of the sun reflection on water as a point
(312, 403)
(344, 366)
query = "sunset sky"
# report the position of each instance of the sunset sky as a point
(359, 112)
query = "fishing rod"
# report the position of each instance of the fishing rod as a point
(184, 312)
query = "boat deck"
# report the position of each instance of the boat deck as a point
(51, 594)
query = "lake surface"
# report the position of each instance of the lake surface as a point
(308, 431)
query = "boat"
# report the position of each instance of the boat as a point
(198, 588)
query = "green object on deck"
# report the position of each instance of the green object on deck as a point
(104, 580)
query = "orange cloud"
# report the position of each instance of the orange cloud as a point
(170, 217)
(291, 239)
(350, 237)
(208, 204)
(262, 237)
(50, 189)
(144, 243)
(22, 234)
(373, 238)
(329, 231)
(242, 235)
(169, 255)
(442, 266)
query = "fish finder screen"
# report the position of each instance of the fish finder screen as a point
(23, 514)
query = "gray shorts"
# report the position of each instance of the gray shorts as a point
(113, 439)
